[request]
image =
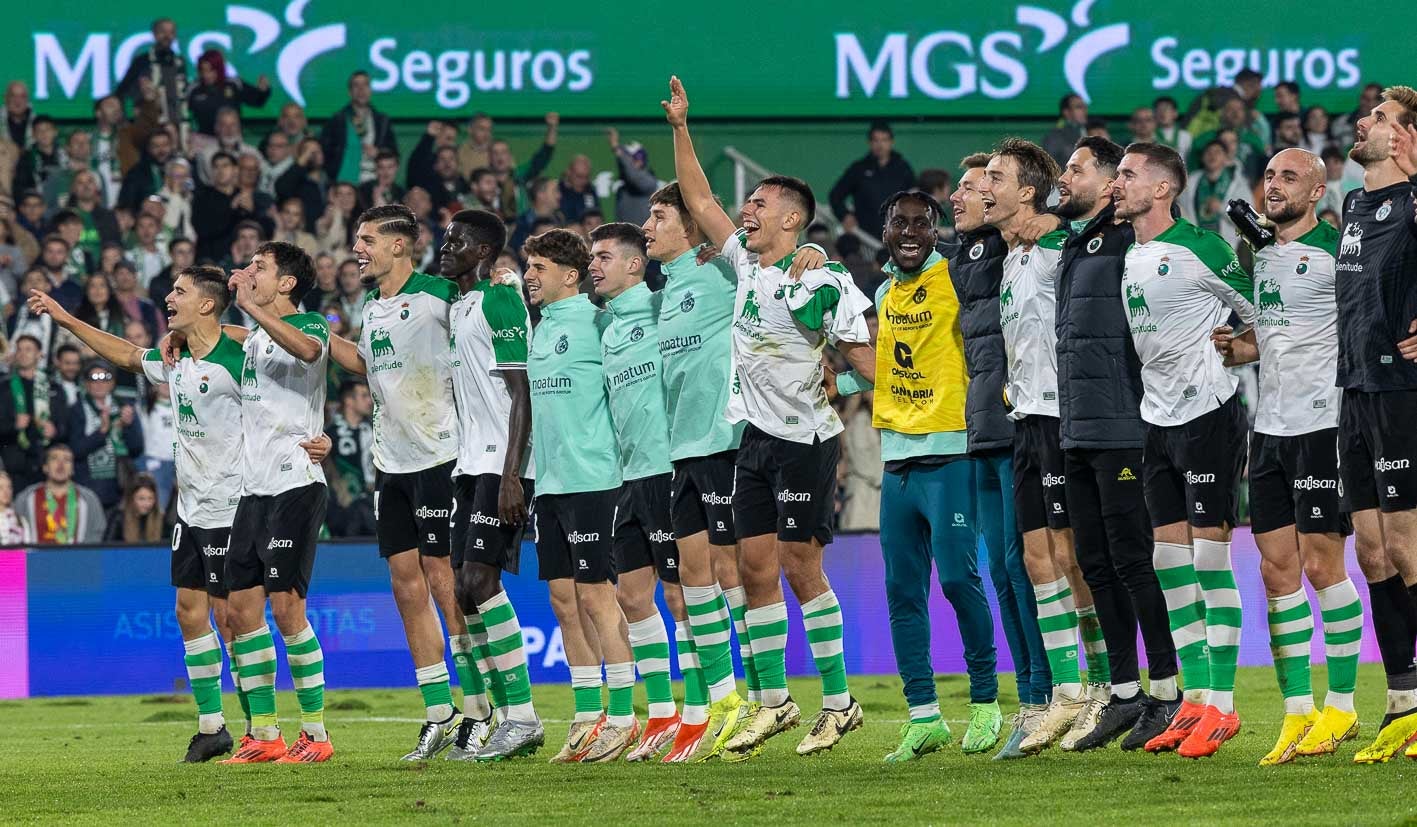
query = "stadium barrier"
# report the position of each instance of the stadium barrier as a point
(110, 609)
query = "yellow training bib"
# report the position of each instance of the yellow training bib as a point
(920, 373)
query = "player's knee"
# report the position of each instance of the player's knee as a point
(804, 577)
(566, 608)
(477, 584)
(1323, 570)
(192, 616)
(635, 606)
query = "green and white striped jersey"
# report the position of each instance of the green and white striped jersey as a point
(1176, 289)
(491, 334)
(1297, 334)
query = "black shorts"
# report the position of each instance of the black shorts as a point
(1294, 481)
(574, 535)
(477, 532)
(1191, 472)
(642, 532)
(701, 497)
(785, 488)
(273, 540)
(414, 510)
(199, 558)
(1377, 447)
(1039, 475)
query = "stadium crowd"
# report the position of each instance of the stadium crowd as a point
(101, 215)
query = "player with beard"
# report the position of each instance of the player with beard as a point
(928, 489)
(1180, 283)
(1295, 509)
(490, 333)
(1101, 431)
(1015, 188)
(1377, 315)
(976, 268)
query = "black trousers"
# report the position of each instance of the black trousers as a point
(1112, 535)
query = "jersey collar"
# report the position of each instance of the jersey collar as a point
(635, 299)
(896, 273)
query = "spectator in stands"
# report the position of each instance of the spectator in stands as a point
(938, 183)
(215, 91)
(637, 181)
(106, 436)
(326, 287)
(100, 308)
(1142, 124)
(64, 373)
(486, 192)
(475, 151)
(545, 206)
(244, 241)
(136, 306)
(119, 142)
(176, 199)
(159, 439)
(1097, 128)
(292, 125)
(1345, 127)
(41, 158)
(1317, 134)
(290, 227)
(1288, 132)
(148, 254)
(869, 181)
(337, 224)
(1072, 121)
(146, 176)
(59, 510)
(355, 135)
(73, 159)
(1286, 102)
(230, 139)
(159, 70)
(15, 231)
(351, 295)
(577, 194)
(248, 181)
(100, 226)
(183, 254)
(423, 162)
(70, 227)
(1251, 148)
(512, 178)
(13, 263)
(1334, 160)
(278, 157)
(383, 188)
(19, 115)
(138, 518)
(13, 528)
(307, 180)
(1168, 127)
(350, 463)
(29, 213)
(217, 209)
(1206, 195)
(29, 405)
(54, 259)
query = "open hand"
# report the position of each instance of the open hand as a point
(676, 109)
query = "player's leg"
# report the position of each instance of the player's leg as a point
(591, 518)
(708, 615)
(649, 638)
(1060, 535)
(253, 648)
(433, 491)
(201, 648)
(221, 614)
(947, 499)
(1214, 456)
(469, 648)
(990, 527)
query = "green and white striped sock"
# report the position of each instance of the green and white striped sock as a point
(585, 688)
(1222, 619)
(737, 601)
(307, 672)
(482, 659)
(474, 688)
(1099, 671)
(1185, 608)
(236, 681)
(767, 630)
(1291, 628)
(1342, 613)
(256, 665)
(821, 618)
(708, 620)
(620, 681)
(203, 659)
(1058, 622)
(507, 658)
(695, 690)
(436, 690)
(649, 642)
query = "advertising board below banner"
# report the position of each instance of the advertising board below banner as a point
(111, 609)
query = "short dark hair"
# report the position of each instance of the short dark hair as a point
(1165, 99)
(925, 198)
(486, 228)
(220, 154)
(39, 119)
(932, 179)
(1286, 117)
(65, 348)
(623, 233)
(798, 190)
(1106, 154)
(1096, 123)
(385, 155)
(1067, 100)
(392, 219)
(1036, 168)
(249, 224)
(66, 217)
(562, 247)
(352, 75)
(880, 126)
(291, 261)
(1332, 153)
(211, 282)
(1288, 85)
(172, 245)
(53, 238)
(538, 184)
(670, 195)
(1165, 157)
(349, 386)
(479, 173)
(1247, 74)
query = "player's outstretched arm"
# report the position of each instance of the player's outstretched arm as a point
(121, 352)
(346, 355)
(511, 499)
(693, 184)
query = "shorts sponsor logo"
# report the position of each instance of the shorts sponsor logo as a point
(424, 512)
(712, 498)
(787, 496)
(1313, 484)
(213, 551)
(662, 536)
(577, 537)
(1392, 491)
(277, 543)
(478, 518)
(721, 526)
(478, 543)
(958, 520)
(1318, 512)
(1199, 479)
(1126, 475)
(432, 538)
(1384, 464)
(275, 572)
(1057, 508)
(791, 523)
(1050, 480)
(582, 564)
(211, 578)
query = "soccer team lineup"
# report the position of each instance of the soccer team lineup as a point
(1067, 352)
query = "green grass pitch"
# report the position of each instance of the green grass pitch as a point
(112, 760)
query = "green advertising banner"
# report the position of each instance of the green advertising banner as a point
(830, 58)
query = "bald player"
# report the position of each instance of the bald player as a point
(1298, 520)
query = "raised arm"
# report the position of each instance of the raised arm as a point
(121, 352)
(303, 346)
(693, 184)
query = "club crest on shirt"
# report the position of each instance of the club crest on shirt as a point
(919, 295)
(637, 333)
(1164, 267)
(687, 304)
(976, 251)
(204, 387)
(562, 344)
(1095, 244)
(1384, 211)
(1023, 260)
(403, 312)
(1303, 266)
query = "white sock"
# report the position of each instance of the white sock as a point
(1164, 689)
